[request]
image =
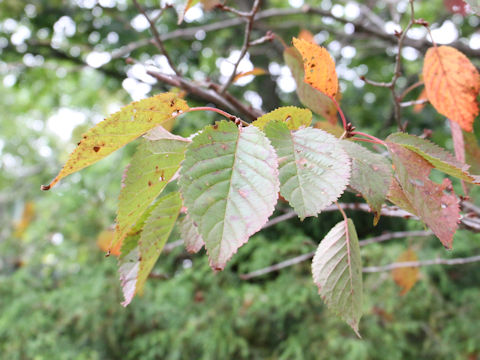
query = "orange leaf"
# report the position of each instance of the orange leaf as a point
(319, 67)
(104, 240)
(27, 217)
(406, 277)
(306, 35)
(452, 83)
(254, 71)
(419, 107)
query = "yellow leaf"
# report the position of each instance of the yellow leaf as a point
(294, 117)
(319, 67)
(27, 217)
(306, 35)
(119, 129)
(406, 277)
(452, 83)
(255, 71)
(334, 129)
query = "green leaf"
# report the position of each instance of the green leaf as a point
(316, 101)
(337, 271)
(438, 209)
(294, 117)
(191, 237)
(371, 175)
(229, 182)
(145, 178)
(119, 129)
(314, 169)
(141, 251)
(439, 158)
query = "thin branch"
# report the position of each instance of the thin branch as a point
(455, 261)
(413, 102)
(157, 37)
(304, 257)
(360, 27)
(246, 44)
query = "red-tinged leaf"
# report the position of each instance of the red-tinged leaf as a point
(316, 101)
(119, 129)
(472, 151)
(371, 175)
(458, 142)
(452, 83)
(337, 271)
(438, 209)
(319, 67)
(439, 158)
(398, 197)
(255, 71)
(406, 277)
(456, 6)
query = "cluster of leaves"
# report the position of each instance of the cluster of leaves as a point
(230, 174)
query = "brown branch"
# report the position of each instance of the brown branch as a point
(360, 27)
(455, 261)
(246, 44)
(157, 38)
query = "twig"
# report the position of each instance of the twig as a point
(360, 27)
(205, 94)
(230, 117)
(455, 261)
(246, 44)
(304, 257)
(413, 102)
(157, 37)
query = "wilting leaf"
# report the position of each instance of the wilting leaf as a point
(145, 178)
(141, 251)
(314, 168)
(294, 117)
(119, 129)
(229, 182)
(319, 67)
(452, 83)
(439, 158)
(191, 237)
(337, 271)
(371, 175)
(254, 71)
(406, 277)
(316, 101)
(436, 208)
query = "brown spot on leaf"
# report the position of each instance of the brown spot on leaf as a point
(96, 148)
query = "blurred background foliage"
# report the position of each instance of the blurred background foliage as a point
(60, 73)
